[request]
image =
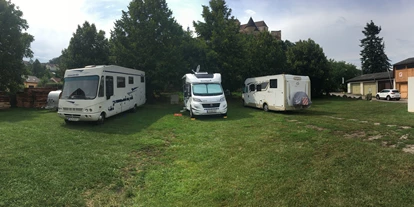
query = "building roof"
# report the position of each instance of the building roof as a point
(56, 80)
(251, 23)
(260, 24)
(32, 79)
(406, 61)
(372, 76)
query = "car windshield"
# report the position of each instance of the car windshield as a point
(207, 89)
(84, 87)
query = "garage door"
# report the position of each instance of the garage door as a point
(404, 90)
(355, 88)
(370, 88)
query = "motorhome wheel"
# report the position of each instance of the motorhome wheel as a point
(101, 118)
(265, 107)
(134, 109)
(191, 113)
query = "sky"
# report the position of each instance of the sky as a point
(336, 25)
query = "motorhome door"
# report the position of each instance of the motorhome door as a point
(276, 89)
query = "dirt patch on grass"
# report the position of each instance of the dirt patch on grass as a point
(375, 137)
(358, 134)
(409, 148)
(405, 127)
(377, 124)
(292, 120)
(404, 137)
(315, 127)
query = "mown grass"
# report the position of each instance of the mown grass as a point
(320, 157)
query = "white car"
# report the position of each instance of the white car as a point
(389, 94)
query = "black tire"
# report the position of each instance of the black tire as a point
(377, 97)
(191, 113)
(265, 107)
(134, 109)
(388, 98)
(67, 121)
(101, 119)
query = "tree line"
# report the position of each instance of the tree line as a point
(148, 38)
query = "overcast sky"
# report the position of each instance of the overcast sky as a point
(336, 25)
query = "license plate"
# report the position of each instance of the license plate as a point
(211, 111)
(73, 119)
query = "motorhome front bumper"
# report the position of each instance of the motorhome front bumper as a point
(209, 108)
(79, 117)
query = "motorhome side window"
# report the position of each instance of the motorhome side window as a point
(142, 79)
(273, 83)
(259, 87)
(101, 87)
(120, 82)
(130, 80)
(252, 87)
(109, 86)
(264, 85)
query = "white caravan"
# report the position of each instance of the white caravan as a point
(277, 92)
(203, 94)
(94, 93)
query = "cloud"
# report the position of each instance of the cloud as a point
(250, 12)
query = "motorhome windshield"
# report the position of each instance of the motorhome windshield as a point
(84, 87)
(207, 89)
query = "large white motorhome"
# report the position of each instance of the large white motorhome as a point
(203, 94)
(94, 93)
(277, 92)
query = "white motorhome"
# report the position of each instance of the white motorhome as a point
(94, 93)
(203, 94)
(277, 92)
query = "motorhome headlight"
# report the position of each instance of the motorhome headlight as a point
(87, 110)
(222, 99)
(197, 100)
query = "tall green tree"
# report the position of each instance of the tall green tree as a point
(38, 69)
(14, 46)
(373, 57)
(225, 53)
(87, 47)
(265, 55)
(148, 38)
(341, 70)
(308, 58)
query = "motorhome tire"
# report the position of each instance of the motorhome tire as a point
(265, 107)
(191, 113)
(134, 109)
(101, 118)
(67, 121)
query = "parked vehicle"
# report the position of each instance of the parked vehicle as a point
(95, 93)
(277, 92)
(203, 94)
(389, 94)
(53, 99)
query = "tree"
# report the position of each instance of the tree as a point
(308, 58)
(265, 55)
(225, 53)
(340, 70)
(38, 69)
(148, 38)
(14, 46)
(373, 57)
(87, 47)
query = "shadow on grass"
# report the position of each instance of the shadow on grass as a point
(126, 122)
(21, 114)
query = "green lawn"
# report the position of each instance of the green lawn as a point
(340, 152)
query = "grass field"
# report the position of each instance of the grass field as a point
(340, 152)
